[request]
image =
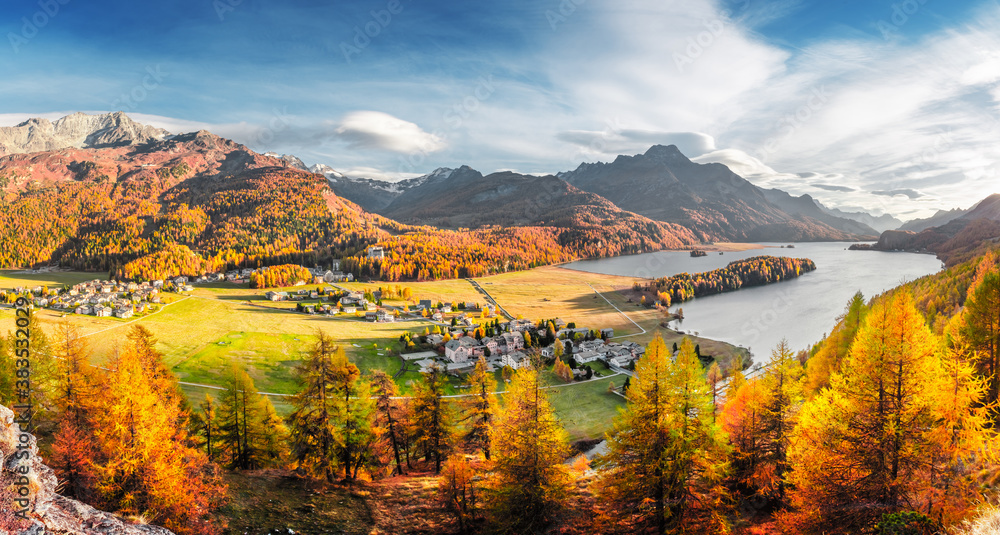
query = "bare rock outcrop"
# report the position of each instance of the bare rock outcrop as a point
(29, 504)
(78, 130)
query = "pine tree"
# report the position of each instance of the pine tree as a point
(529, 481)
(74, 396)
(982, 327)
(782, 385)
(962, 434)
(431, 419)
(312, 422)
(206, 426)
(479, 408)
(714, 377)
(389, 421)
(250, 432)
(457, 490)
(665, 456)
(859, 447)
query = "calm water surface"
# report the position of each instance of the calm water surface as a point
(802, 310)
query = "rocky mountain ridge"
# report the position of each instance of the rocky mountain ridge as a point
(78, 130)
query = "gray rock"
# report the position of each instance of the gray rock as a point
(47, 511)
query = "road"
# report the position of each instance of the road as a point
(642, 331)
(490, 298)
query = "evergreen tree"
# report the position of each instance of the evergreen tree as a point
(75, 397)
(982, 328)
(250, 431)
(206, 425)
(457, 490)
(390, 420)
(782, 386)
(529, 481)
(665, 456)
(431, 419)
(479, 407)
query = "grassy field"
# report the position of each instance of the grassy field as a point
(203, 334)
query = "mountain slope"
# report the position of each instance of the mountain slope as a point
(806, 206)
(709, 199)
(464, 198)
(955, 241)
(196, 203)
(77, 131)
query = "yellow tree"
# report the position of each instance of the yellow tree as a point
(390, 419)
(782, 385)
(529, 481)
(74, 393)
(834, 348)
(457, 490)
(665, 456)
(860, 446)
(146, 466)
(962, 436)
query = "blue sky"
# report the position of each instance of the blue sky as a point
(885, 106)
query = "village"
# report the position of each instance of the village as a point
(459, 332)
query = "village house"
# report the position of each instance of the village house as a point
(515, 360)
(376, 252)
(125, 312)
(462, 349)
(587, 356)
(102, 311)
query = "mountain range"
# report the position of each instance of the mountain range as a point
(962, 234)
(191, 203)
(105, 192)
(662, 185)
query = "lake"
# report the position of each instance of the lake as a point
(801, 310)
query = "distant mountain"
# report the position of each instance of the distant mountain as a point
(709, 199)
(940, 218)
(464, 198)
(147, 207)
(78, 130)
(954, 241)
(325, 170)
(881, 223)
(291, 161)
(805, 205)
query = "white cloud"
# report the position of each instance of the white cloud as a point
(377, 130)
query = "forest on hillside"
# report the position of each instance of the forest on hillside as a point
(886, 426)
(156, 225)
